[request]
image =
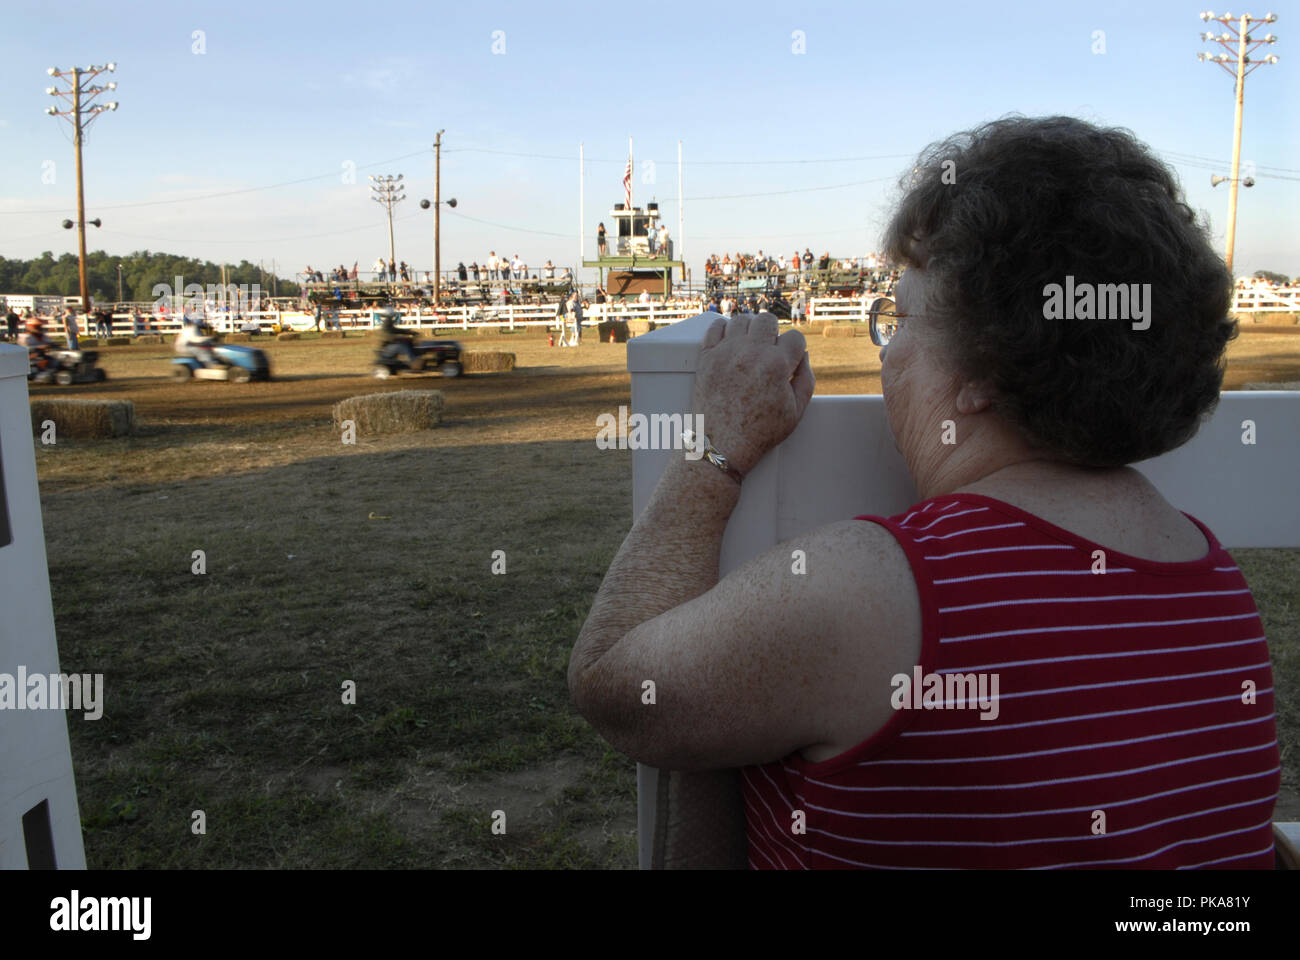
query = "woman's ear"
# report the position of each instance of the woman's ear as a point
(975, 396)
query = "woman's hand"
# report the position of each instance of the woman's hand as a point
(751, 386)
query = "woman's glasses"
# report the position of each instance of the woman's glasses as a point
(885, 320)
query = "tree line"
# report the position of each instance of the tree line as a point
(141, 269)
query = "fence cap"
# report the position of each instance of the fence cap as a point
(670, 349)
(13, 361)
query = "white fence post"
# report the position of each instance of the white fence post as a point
(39, 821)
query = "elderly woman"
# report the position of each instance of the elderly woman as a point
(1042, 663)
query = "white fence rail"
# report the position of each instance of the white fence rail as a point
(1264, 300)
(511, 316)
(515, 316)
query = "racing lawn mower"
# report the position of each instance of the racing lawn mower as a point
(69, 366)
(442, 355)
(398, 350)
(235, 363)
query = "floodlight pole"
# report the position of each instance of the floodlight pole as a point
(1242, 29)
(80, 121)
(386, 192)
(1236, 145)
(81, 191)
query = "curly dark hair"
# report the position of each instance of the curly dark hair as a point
(1027, 202)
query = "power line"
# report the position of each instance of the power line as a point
(224, 193)
(1224, 163)
(696, 163)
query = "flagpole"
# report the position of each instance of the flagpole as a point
(630, 206)
(681, 255)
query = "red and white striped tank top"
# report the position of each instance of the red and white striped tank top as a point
(1134, 715)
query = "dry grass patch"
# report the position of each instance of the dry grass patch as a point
(289, 335)
(839, 330)
(84, 419)
(117, 341)
(399, 411)
(486, 361)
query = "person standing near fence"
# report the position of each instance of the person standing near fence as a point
(575, 311)
(601, 247)
(70, 327)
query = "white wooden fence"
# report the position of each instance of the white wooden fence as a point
(511, 316)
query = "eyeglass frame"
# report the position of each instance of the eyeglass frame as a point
(878, 337)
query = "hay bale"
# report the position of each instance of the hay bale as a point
(486, 361)
(83, 342)
(398, 411)
(117, 341)
(238, 337)
(331, 334)
(639, 328)
(289, 335)
(84, 419)
(839, 330)
(619, 327)
(151, 338)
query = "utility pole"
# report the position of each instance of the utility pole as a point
(386, 191)
(437, 217)
(1245, 44)
(119, 283)
(81, 115)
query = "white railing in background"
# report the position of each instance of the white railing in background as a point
(514, 316)
(1264, 300)
(510, 316)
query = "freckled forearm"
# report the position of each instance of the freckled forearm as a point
(669, 557)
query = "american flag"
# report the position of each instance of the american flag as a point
(627, 181)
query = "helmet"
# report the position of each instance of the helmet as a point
(35, 326)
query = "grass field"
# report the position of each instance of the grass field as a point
(371, 563)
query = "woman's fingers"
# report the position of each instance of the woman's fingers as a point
(763, 327)
(738, 325)
(803, 383)
(793, 346)
(713, 336)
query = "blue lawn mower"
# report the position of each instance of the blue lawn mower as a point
(235, 363)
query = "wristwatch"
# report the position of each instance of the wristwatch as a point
(712, 455)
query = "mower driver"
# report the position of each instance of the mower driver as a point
(401, 337)
(38, 347)
(196, 340)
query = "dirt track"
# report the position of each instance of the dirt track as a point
(552, 384)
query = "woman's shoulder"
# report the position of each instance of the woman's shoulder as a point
(1121, 513)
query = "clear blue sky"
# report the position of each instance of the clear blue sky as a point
(290, 92)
